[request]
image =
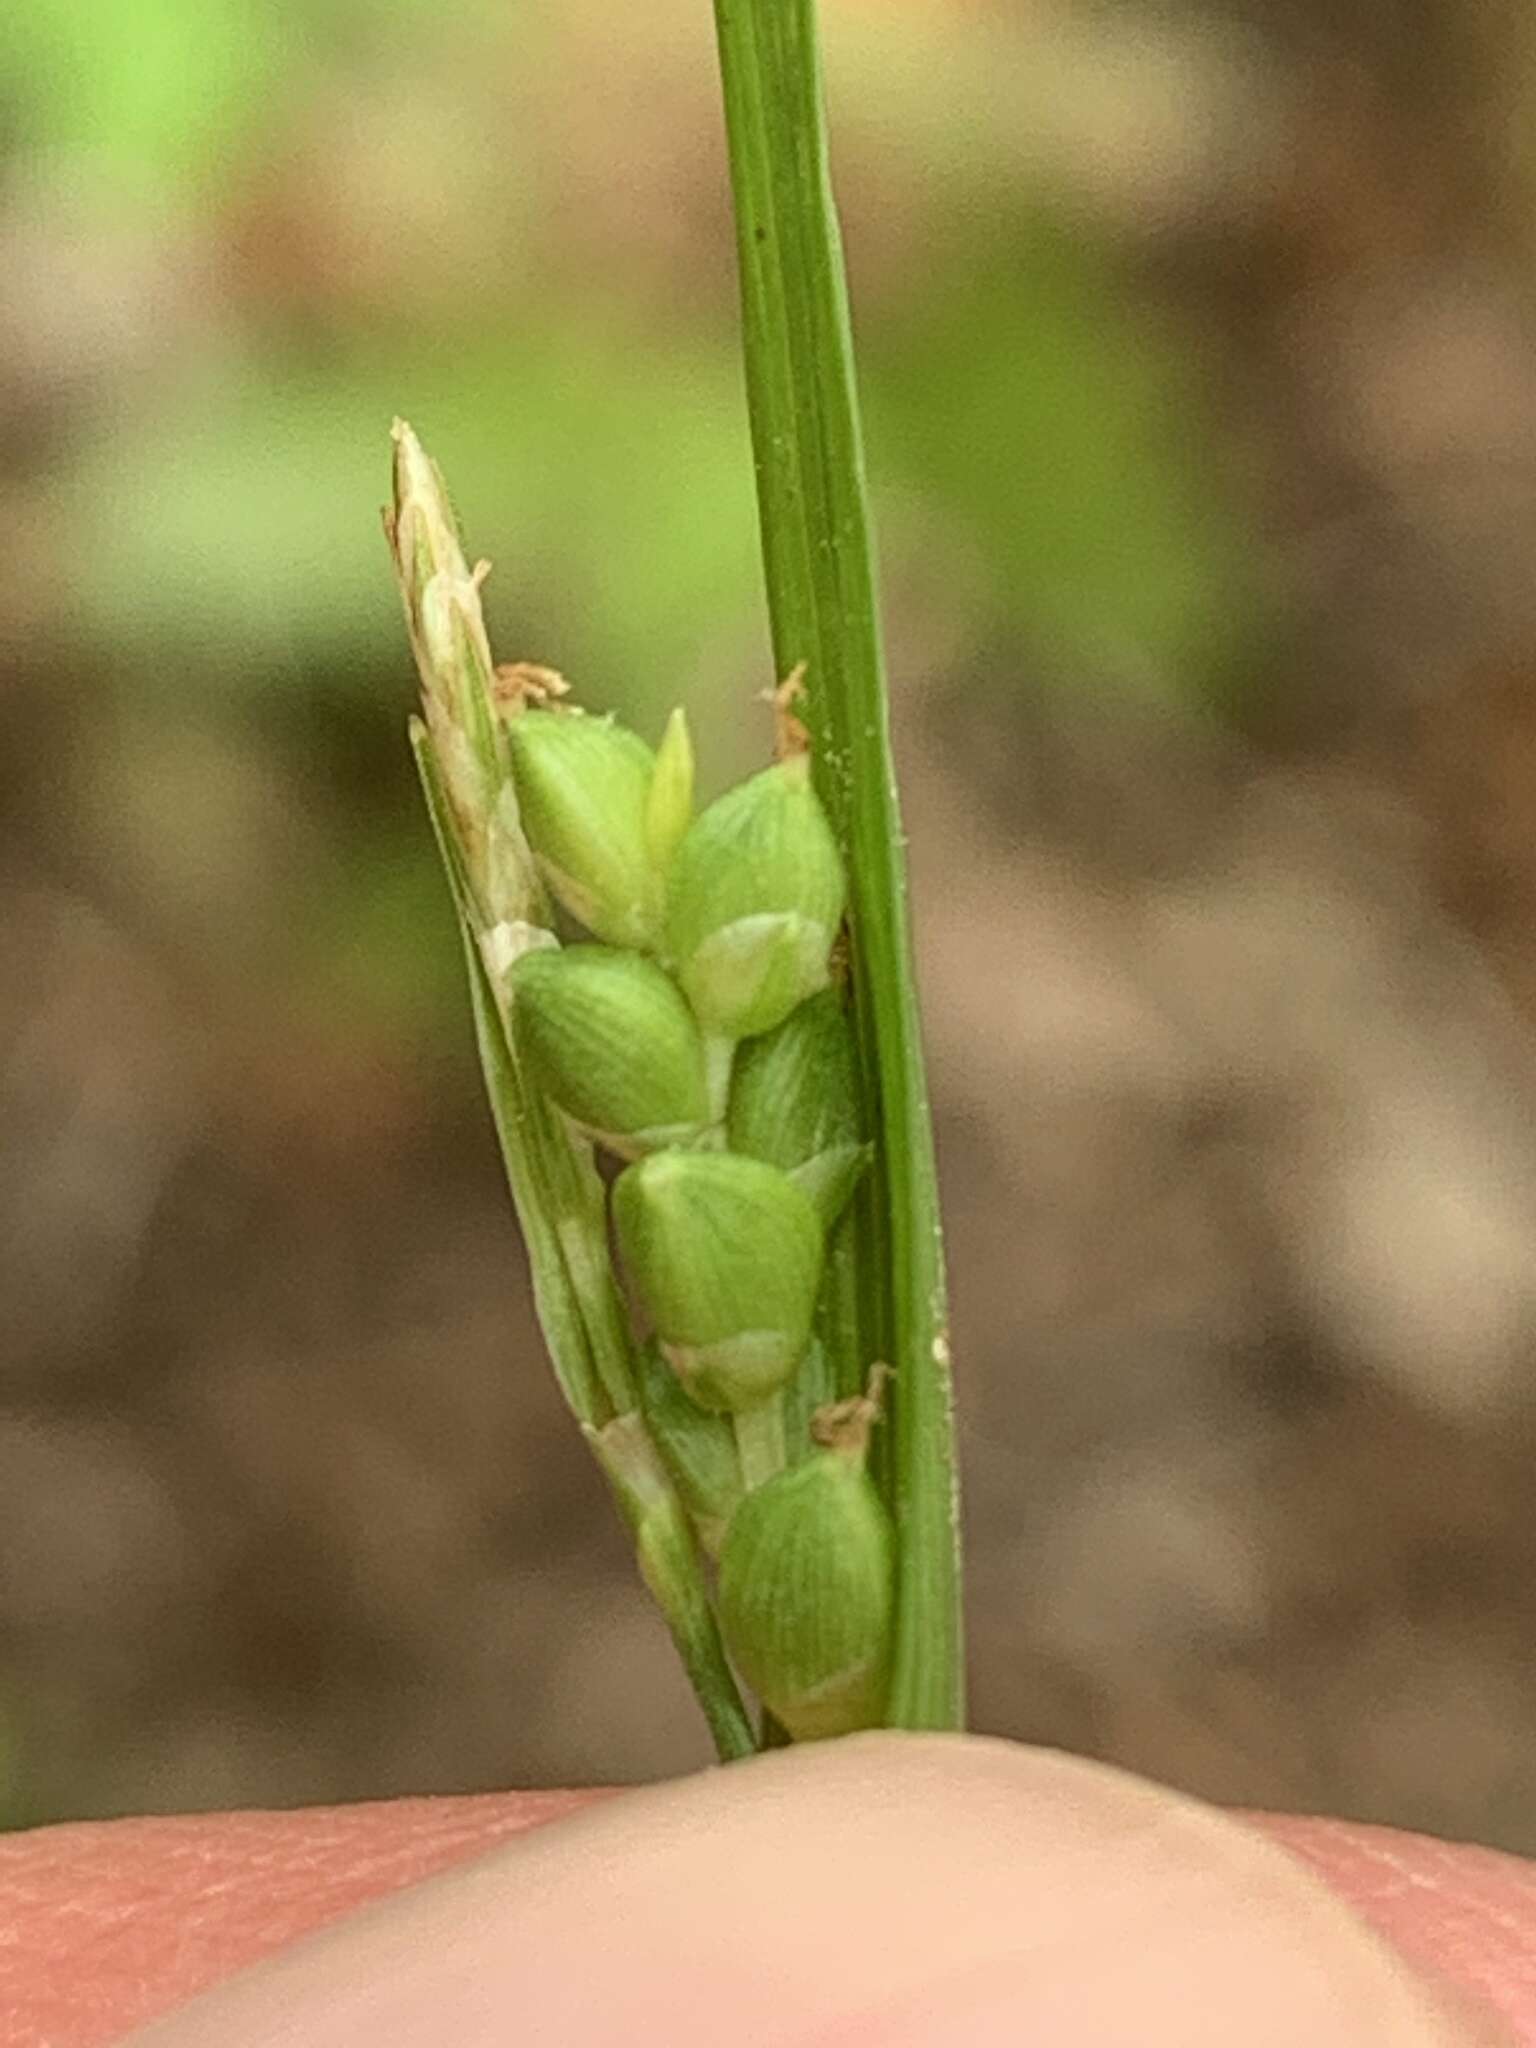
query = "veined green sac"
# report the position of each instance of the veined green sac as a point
(754, 903)
(603, 815)
(611, 1041)
(794, 1102)
(725, 1254)
(807, 1587)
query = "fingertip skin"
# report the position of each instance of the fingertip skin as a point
(1455, 1908)
(104, 1925)
(1053, 1896)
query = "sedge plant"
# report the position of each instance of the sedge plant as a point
(745, 1313)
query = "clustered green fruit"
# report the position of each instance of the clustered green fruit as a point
(702, 1041)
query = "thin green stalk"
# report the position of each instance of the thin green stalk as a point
(818, 560)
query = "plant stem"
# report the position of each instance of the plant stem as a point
(818, 559)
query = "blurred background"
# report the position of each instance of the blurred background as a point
(1200, 351)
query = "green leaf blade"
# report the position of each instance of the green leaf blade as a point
(819, 564)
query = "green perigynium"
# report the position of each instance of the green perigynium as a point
(807, 1582)
(585, 786)
(726, 1256)
(794, 1102)
(613, 1043)
(754, 902)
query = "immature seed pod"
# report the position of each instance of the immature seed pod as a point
(698, 1448)
(584, 785)
(807, 1580)
(754, 902)
(613, 1043)
(725, 1254)
(794, 1103)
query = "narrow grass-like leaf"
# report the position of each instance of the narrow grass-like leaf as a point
(818, 560)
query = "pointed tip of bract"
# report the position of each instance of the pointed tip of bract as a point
(413, 470)
(414, 467)
(441, 597)
(676, 733)
(422, 529)
(669, 801)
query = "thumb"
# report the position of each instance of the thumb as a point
(883, 1892)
